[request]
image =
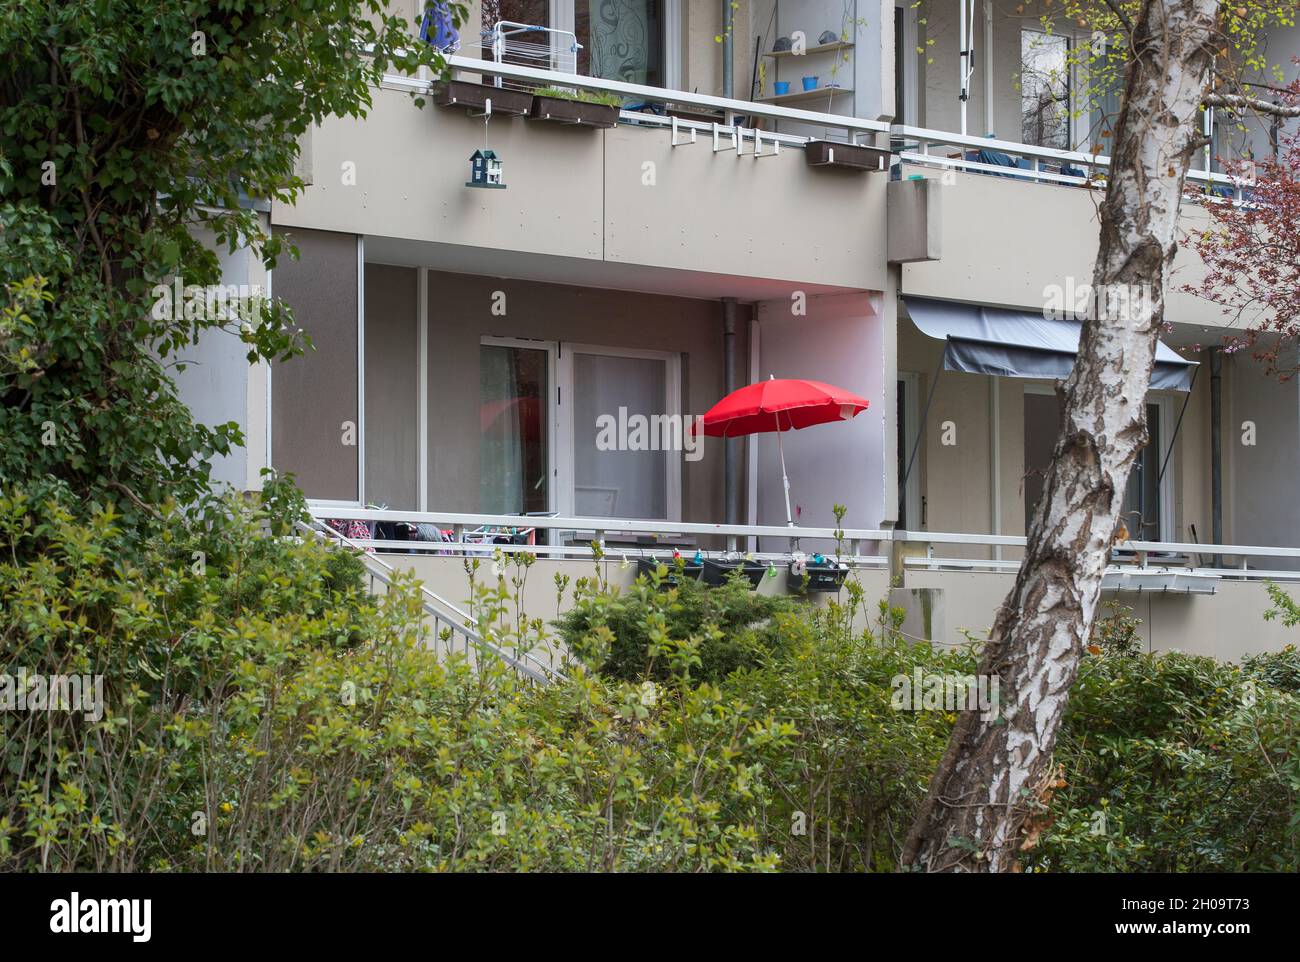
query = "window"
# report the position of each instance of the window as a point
(1044, 89)
(579, 429)
(514, 436)
(1144, 507)
(621, 40)
(1106, 90)
(1141, 511)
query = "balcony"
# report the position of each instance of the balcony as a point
(1201, 598)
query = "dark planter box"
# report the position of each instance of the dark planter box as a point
(716, 572)
(575, 113)
(827, 576)
(471, 96)
(827, 153)
(648, 566)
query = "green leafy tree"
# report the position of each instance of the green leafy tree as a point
(131, 132)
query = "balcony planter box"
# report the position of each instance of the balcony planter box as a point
(648, 566)
(716, 572)
(575, 113)
(828, 153)
(827, 576)
(472, 96)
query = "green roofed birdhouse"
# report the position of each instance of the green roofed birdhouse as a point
(485, 169)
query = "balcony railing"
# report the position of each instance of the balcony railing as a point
(935, 148)
(732, 111)
(858, 547)
(921, 146)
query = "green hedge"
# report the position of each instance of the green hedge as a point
(262, 712)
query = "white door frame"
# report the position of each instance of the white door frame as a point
(566, 446)
(552, 411)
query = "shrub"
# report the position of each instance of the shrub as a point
(1174, 763)
(689, 631)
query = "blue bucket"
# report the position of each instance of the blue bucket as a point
(809, 83)
(782, 87)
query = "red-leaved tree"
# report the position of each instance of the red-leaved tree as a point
(1251, 251)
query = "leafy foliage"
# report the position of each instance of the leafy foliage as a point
(1252, 256)
(132, 137)
(688, 631)
(263, 712)
(1175, 763)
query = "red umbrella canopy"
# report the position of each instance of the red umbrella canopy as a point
(780, 405)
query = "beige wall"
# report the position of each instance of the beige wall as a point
(590, 195)
(990, 257)
(1226, 625)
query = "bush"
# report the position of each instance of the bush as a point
(1174, 763)
(689, 631)
(263, 712)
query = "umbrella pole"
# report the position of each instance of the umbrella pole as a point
(785, 479)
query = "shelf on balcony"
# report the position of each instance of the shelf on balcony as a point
(809, 51)
(800, 96)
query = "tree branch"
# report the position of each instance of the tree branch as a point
(1242, 102)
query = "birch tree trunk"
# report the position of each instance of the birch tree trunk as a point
(976, 817)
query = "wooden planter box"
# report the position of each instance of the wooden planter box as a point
(717, 572)
(575, 113)
(472, 96)
(828, 153)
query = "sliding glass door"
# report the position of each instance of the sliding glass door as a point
(583, 430)
(619, 417)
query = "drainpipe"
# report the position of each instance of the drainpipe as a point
(1216, 449)
(728, 51)
(730, 446)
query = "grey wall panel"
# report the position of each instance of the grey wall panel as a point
(1259, 477)
(314, 394)
(392, 375)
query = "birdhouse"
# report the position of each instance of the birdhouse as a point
(485, 169)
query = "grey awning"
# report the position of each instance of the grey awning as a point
(994, 340)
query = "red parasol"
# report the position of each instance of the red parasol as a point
(779, 406)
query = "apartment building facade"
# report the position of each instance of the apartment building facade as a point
(467, 339)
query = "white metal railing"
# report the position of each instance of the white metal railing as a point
(1145, 556)
(446, 620)
(583, 532)
(729, 107)
(861, 547)
(928, 141)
